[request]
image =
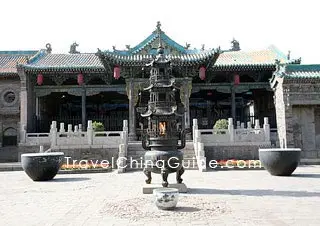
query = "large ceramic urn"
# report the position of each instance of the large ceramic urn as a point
(280, 161)
(42, 166)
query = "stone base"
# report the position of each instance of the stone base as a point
(148, 188)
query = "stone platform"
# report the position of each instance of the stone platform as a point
(148, 188)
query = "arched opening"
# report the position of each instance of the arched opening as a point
(9, 137)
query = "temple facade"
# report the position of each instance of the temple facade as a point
(38, 87)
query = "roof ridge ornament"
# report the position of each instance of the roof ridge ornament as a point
(160, 47)
(73, 48)
(235, 45)
(49, 48)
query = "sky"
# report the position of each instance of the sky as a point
(289, 25)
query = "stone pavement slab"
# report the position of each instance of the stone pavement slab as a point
(213, 198)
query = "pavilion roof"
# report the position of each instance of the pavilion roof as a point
(10, 59)
(149, 45)
(66, 63)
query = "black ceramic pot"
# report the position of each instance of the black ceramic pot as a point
(42, 166)
(280, 161)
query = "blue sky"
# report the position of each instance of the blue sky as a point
(289, 25)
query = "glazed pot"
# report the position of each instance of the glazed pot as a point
(166, 198)
(42, 166)
(280, 161)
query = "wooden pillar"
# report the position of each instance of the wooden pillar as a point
(186, 102)
(233, 103)
(132, 109)
(83, 109)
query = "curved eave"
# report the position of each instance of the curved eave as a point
(8, 74)
(91, 69)
(244, 67)
(142, 60)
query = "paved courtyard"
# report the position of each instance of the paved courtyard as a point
(214, 198)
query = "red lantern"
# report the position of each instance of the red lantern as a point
(80, 79)
(202, 73)
(40, 79)
(116, 72)
(236, 79)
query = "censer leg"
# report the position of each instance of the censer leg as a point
(147, 172)
(179, 173)
(164, 174)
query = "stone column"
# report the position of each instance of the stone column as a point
(132, 95)
(283, 115)
(23, 100)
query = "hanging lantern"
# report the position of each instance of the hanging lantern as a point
(116, 72)
(236, 79)
(202, 73)
(40, 79)
(80, 79)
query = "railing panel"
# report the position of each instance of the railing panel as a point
(249, 135)
(38, 138)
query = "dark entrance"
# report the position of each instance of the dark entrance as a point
(9, 137)
(110, 108)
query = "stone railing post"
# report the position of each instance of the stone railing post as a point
(23, 133)
(201, 160)
(80, 128)
(194, 128)
(76, 131)
(266, 128)
(121, 163)
(53, 133)
(125, 126)
(69, 130)
(231, 129)
(238, 124)
(90, 132)
(242, 125)
(62, 130)
(124, 138)
(257, 124)
(249, 125)
(197, 137)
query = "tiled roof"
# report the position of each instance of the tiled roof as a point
(301, 71)
(140, 60)
(10, 59)
(66, 62)
(249, 60)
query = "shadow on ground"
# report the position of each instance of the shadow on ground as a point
(257, 192)
(69, 179)
(185, 209)
(306, 175)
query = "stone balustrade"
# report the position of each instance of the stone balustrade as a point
(74, 137)
(229, 137)
(234, 136)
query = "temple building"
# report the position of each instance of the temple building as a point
(38, 87)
